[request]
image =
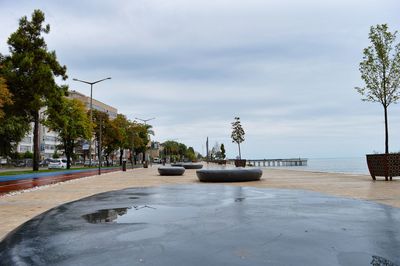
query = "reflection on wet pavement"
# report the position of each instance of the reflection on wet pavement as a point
(110, 215)
(105, 216)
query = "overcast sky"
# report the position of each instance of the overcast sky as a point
(287, 68)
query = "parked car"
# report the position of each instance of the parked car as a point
(58, 164)
(94, 163)
(45, 162)
(156, 160)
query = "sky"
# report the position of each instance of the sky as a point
(287, 68)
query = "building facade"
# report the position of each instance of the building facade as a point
(49, 141)
(96, 105)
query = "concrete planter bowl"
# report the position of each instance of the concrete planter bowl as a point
(171, 171)
(229, 175)
(221, 162)
(188, 165)
(387, 165)
(240, 163)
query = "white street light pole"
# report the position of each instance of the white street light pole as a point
(145, 120)
(91, 112)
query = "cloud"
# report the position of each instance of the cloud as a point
(287, 68)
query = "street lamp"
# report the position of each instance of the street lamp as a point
(91, 112)
(145, 120)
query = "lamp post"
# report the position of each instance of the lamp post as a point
(91, 113)
(145, 120)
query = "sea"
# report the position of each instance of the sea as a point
(351, 165)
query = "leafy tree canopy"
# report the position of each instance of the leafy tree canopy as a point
(380, 70)
(5, 96)
(30, 71)
(69, 119)
(237, 131)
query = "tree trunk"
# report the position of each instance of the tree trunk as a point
(70, 149)
(121, 153)
(67, 153)
(386, 131)
(36, 148)
(240, 155)
(132, 158)
(107, 163)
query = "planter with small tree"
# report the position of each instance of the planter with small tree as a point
(380, 70)
(238, 137)
(222, 155)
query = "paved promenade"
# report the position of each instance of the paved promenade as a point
(18, 208)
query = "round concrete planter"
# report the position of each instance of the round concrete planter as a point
(229, 175)
(387, 165)
(188, 165)
(164, 170)
(192, 166)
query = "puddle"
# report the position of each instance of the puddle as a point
(105, 216)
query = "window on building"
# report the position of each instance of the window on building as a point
(24, 148)
(27, 140)
(50, 147)
(50, 138)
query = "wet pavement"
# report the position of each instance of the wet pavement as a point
(208, 225)
(26, 181)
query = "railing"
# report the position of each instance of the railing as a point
(275, 162)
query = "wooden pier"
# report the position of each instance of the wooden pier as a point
(276, 162)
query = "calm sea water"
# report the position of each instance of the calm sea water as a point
(355, 165)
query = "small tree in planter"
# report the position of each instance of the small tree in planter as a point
(238, 137)
(380, 70)
(222, 148)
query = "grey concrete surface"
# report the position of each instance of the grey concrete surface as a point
(208, 225)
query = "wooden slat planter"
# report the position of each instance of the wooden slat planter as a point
(387, 165)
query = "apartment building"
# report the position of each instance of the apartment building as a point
(49, 139)
(96, 105)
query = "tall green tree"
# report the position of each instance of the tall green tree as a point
(122, 124)
(190, 154)
(14, 126)
(144, 131)
(111, 140)
(31, 72)
(380, 70)
(171, 148)
(237, 133)
(69, 119)
(135, 142)
(101, 127)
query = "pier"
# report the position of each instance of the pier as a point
(276, 162)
